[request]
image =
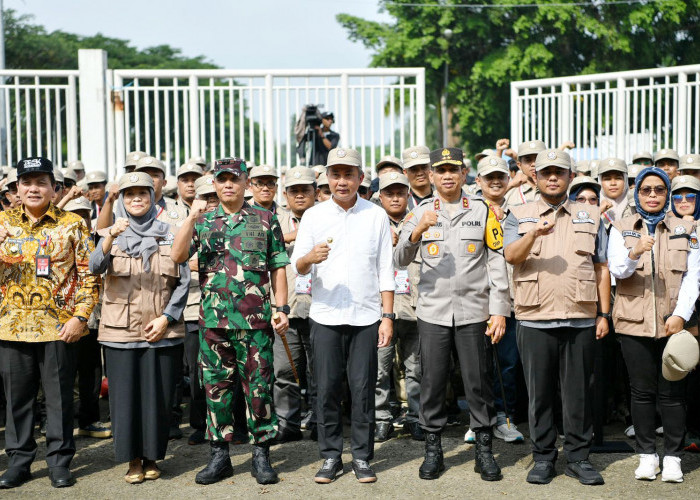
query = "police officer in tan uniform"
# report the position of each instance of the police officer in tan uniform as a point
(668, 161)
(463, 300)
(557, 248)
(690, 165)
(416, 167)
(300, 188)
(263, 185)
(132, 158)
(525, 189)
(393, 196)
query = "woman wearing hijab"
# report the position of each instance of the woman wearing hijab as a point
(584, 189)
(145, 293)
(656, 265)
(612, 175)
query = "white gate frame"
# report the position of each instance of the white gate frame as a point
(629, 110)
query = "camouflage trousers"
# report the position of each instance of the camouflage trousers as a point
(226, 355)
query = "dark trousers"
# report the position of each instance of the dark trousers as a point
(564, 355)
(287, 393)
(141, 388)
(23, 365)
(89, 369)
(475, 355)
(649, 387)
(198, 401)
(509, 360)
(340, 350)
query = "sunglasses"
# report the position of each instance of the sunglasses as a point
(658, 190)
(691, 197)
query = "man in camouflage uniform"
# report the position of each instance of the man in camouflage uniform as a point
(241, 252)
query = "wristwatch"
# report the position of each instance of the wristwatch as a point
(390, 316)
(604, 315)
(82, 319)
(283, 309)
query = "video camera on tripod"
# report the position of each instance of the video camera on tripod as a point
(305, 132)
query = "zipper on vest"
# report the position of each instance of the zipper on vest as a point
(653, 282)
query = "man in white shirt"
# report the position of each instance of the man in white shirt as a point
(346, 245)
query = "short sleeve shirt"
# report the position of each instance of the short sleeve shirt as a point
(236, 253)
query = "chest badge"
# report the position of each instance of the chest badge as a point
(433, 250)
(679, 230)
(471, 248)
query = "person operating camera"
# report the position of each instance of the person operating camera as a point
(325, 138)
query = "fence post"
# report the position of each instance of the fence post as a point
(92, 65)
(194, 116)
(565, 118)
(681, 114)
(620, 120)
(420, 108)
(515, 128)
(344, 111)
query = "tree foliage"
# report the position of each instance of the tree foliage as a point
(30, 46)
(491, 47)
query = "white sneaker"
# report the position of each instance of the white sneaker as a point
(672, 470)
(629, 432)
(648, 467)
(470, 437)
(511, 435)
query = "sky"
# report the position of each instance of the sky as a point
(234, 34)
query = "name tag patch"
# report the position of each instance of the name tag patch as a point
(633, 234)
(471, 223)
(528, 219)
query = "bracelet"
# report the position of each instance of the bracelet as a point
(604, 315)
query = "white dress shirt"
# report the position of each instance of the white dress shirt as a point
(346, 287)
(621, 267)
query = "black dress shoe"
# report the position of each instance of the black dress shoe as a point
(287, 435)
(584, 472)
(61, 477)
(14, 477)
(542, 473)
(383, 431)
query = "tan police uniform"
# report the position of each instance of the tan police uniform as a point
(463, 281)
(555, 303)
(412, 157)
(615, 165)
(287, 393)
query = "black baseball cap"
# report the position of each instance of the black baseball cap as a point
(33, 165)
(328, 114)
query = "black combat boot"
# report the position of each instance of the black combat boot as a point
(261, 469)
(432, 464)
(485, 463)
(219, 466)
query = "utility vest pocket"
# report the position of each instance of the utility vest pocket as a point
(527, 291)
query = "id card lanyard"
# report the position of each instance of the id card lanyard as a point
(43, 260)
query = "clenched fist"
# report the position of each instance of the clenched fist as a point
(119, 227)
(645, 244)
(319, 253)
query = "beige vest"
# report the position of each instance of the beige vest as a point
(299, 303)
(642, 309)
(405, 303)
(557, 280)
(132, 298)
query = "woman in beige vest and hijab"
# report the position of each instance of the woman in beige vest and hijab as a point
(145, 293)
(654, 257)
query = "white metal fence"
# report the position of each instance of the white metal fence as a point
(611, 114)
(175, 114)
(38, 115)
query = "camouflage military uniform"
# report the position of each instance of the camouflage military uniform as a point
(236, 253)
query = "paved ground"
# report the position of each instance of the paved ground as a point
(396, 463)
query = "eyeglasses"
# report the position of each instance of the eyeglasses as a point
(591, 201)
(658, 190)
(690, 197)
(269, 184)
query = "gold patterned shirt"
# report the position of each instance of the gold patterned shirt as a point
(34, 308)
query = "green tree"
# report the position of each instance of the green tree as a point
(491, 47)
